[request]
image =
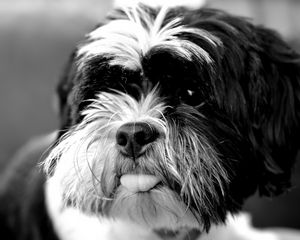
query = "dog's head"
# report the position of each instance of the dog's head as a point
(173, 117)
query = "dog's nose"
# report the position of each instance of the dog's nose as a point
(132, 137)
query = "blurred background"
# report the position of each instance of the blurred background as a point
(36, 38)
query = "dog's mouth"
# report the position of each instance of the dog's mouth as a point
(139, 183)
(146, 199)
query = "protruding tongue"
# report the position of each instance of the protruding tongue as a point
(139, 182)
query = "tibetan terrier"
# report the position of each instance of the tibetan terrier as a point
(171, 118)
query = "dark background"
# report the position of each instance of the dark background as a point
(36, 38)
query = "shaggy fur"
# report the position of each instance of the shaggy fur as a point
(221, 95)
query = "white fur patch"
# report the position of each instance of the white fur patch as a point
(158, 3)
(87, 157)
(89, 149)
(126, 40)
(71, 224)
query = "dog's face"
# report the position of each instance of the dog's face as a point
(173, 117)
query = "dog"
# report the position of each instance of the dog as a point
(170, 118)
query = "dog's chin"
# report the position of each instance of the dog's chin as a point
(160, 207)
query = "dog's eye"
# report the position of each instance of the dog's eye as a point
(190, 92)
(190, 97)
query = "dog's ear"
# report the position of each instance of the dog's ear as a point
(63, 90)
(258, 87)
(274, 90)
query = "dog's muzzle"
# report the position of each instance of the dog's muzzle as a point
(132, 140)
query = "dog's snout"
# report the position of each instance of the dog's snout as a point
(132, 137)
